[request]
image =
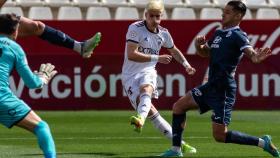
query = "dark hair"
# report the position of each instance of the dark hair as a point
(238, 6)
(8, 23)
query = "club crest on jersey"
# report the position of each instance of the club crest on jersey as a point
(159, 41)
(146, 39)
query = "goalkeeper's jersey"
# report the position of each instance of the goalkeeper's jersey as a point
(149, 43)
(13, 57)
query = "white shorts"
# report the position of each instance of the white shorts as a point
(132, 85)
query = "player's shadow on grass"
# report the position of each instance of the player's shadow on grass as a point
(194, 156)
(228, 156)
(76, 154)
(151, 156)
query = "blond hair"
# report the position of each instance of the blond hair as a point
(155, 5)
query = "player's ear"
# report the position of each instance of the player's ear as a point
(14, 34)
(239, 16)
(146, 14)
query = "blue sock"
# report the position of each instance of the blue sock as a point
(241, 138)
(45, 140)
(177, 128)
(57, 37)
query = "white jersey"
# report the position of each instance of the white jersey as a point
(149, 43)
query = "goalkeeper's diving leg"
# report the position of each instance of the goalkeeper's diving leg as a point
(33, 123)
(30, 27)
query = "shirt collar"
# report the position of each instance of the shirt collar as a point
(230, 29)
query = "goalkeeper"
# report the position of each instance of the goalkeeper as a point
(14, 111)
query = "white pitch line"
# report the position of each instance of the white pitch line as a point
(100, 138)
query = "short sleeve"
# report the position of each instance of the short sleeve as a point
(133, 34)
(168, 41)
(242, 41)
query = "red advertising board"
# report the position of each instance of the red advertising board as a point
(95, 83)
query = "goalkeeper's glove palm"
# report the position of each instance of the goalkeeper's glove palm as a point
(46, 72)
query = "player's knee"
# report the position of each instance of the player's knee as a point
(182, 105)
(41, 126)
(219, 136)
(38, 27)
(178, 108)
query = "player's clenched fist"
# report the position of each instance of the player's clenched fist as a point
(190, 70)
(46, 72)
(165, 59)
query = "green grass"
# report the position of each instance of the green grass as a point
(90, 134)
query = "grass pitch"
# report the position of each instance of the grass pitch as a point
(107, 134)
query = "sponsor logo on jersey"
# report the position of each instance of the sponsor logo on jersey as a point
(217, 40)
(148, 50)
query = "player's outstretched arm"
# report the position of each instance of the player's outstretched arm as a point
(2, 2)
(201, 47)
(179, 57)
(134, 55)
(258, 55)
(37, 79)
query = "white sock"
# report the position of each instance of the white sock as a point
(77, 46)
(162, 125)
(145, 105)
(261, 143)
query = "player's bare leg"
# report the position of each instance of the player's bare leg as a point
(30, 27)
(33, 123)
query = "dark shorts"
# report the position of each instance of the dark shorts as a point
(218, 98)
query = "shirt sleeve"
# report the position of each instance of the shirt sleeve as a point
(30, 79)
(133, 34)
(242, 41)
(168, 43)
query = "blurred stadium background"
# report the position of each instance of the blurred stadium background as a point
(93, 85)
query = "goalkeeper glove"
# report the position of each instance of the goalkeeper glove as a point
(46, 72)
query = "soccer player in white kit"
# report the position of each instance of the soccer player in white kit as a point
(144, 40)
